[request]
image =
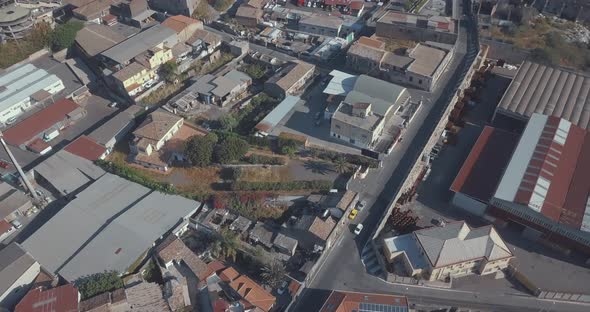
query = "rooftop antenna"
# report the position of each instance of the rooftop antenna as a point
(19, 169)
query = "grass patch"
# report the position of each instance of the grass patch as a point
(259, 174)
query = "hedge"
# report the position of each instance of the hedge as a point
(358, 160)
(265, 160)
(321, 185)
(136, 176)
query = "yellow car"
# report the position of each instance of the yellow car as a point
(353, 214)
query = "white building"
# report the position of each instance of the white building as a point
(22, 87)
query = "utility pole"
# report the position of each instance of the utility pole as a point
(19, 169)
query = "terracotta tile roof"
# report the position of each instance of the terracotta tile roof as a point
(229, 274)
(374, 43)
(38, 145)
(216, 266)
(177, 250)
(179, 22)
(322, 228)
(63, 299)
(208, 37)
(366, 51)
(250, 290)
(156, 125)
(294, 74)
(42, 120)
(86, 147)
(351, 301)
(482, 170)
(246, 11)
(129, 71)
(357, 5)
(92, 10)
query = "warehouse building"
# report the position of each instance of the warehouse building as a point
(23, 86)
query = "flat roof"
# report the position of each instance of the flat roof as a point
(364, 302)
(482, 170)
(42, 120)
(11, 199)
(113, 127)
(550, 91)
(341, 83)
(110, 225)
(426, 59)
(14, 262)
(21, 82)
(13, 12)
(140, 43)
(278, 113)
(95, 38)
(407, 243)
(345, 115)
(382, 95)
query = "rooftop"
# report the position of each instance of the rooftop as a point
(95, 38)
(326, 21)
(42, 120)
(548, 171)
(456, 242)
(360, 49)
(262, 234)
(322, 227)
(284, 241)
(344, 113)
(113, 127)
(63, 299)
(382, 95)
(550, 91)
(13, 12)
(178, 23)
(143, 41)
(110, 225)
(439, 23)
(290, 74)
(11, 199)
(427, 59)
(340, 301)
(209, 38)
(14, 262)
(278, 113)
(407, 245)
(221, 85)
(86, 147)
(146, 297)
(129, 71)
(20, 82)
(249, 290)
(156, 125)
(93, 9)
(175, 249)
(482, 170)
(248, 11)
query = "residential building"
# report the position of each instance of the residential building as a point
(204, 42)
(323, 25)
(241, 224)
(261, 234)
(37, 130)
(62, 298)
(221, 90)
(18, 270)
(173, 252)
(406, 26)
(132, 78)
(476, 182)
(545, 90)
(360, 118)
(185, 27)
(14, 203)
(93, 11)
(158, 39)
(87, 148)
(111, 224)
(94, 39)
(290, 79)
(115, 129)
(134, 12)
(151, 135)
(449, 251)
(420, 67)
(340, 301)
(248, 16)
(545, 186)
(183, 7)
(285, 244)
(248, 289)
(23, 86)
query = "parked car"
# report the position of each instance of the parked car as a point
(353, 214)
(16, 224)
(4, 164)
(358, 229)
(113, 105)
(283, 288)
(360, 205)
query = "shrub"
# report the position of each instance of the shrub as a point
(288, 146)
(320, 185)
(265, 160)
(136, 176)
(98, 283)
(235, 173)
(230, 149)
(254, 70)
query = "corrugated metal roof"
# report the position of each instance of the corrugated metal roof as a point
(23, 81)
(14, 262)
(278, 113)
(140, 43)
(341, 83)
(550, 91)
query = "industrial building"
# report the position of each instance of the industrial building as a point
(111, 224)
(23, 86)
(421, 28)
(545, 90)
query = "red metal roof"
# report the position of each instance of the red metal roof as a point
(350, 301)
(4, 226)
(38, 146)
(86, 147)
(482, 170)
(63, 299)
(42, 120)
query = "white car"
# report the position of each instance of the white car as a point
(358, 229)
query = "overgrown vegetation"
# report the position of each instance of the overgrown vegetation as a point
(169, 71)
(161, 93)
(96, 284)
(136, 176)
(224, 149)
(316, 185)
(557, 51)
(264, 160)
(252, 205)
(202, 11)
(199, 149)
(289, 146)
(222, 5)
(248, 117)
(254, 70)
(226, 245)
(152, 273)
(274, 274)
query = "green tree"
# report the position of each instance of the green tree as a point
(226, 245)
(228, 122)
(169, 71)
(274, 274)
(341, 165)
(254, 70)
(199, 150)
(230, 149)
(288, 146)
(98, 283)
(64, 35)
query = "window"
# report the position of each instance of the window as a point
(419, 81)
(411, 78)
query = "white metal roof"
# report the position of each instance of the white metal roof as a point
(23, 81)
(341, 83)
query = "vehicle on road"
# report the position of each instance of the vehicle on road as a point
(358, 229)
(16, 224)
(360, 205)
(353, 214)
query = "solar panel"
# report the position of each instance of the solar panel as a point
(375, 307)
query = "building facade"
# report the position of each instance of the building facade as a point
(357, 124)
(183, 7)
(406, 26)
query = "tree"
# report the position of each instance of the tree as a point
(98, 283)
(169, 71)
(254, 70)
(288, 146)
(226, 245)
(222, 5)
(274, 274)
(228, 122)
(199, 150)
(202, 11)
(230, 149)
(64, 35)
(341, 165)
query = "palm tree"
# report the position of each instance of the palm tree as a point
(341, 165)
(274, 274)
(226, 245)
